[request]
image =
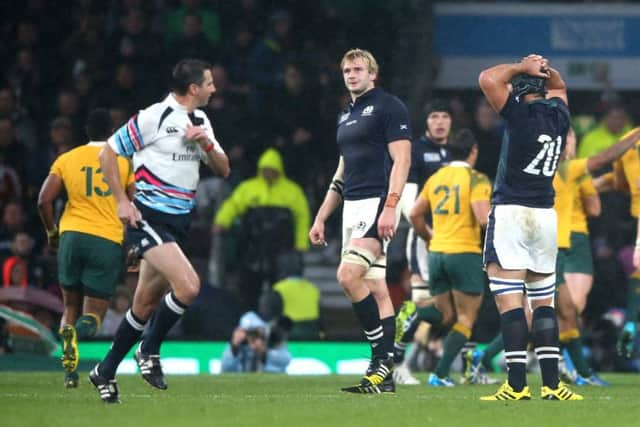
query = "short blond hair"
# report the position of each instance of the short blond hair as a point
(361, 53)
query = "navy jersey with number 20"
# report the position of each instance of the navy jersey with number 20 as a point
(535, 136)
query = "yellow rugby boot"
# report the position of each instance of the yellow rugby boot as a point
(506, 392)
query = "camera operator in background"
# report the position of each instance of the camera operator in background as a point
(257, 346)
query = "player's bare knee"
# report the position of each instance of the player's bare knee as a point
(448, 317)
(348, 277)
(188, 289)
(466, 320)
(143, 311)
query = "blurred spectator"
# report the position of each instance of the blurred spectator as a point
(16, 269)
(13, 221)
(300, 298)
(10, 183)
(235, 57)
(289, 118)
(134, 43)
(153, 10)
(250, 13)
(268, 59)
(459, 114)
(253, 348)
(613, 125)
(229, 114)
(270, 187)
(125, 89)
(24, 126)
(67, 106)
(210, 21)
(61, 139)
(275, 218)
(85, 87)
(119, 115)
(25, 77)
(13, 151)
(84, 50)
(192, 42)
(39, 13)
(488, 130)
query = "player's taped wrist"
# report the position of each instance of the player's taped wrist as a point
(52, 233)
(637, 244)
(337, 186)
(392, 200)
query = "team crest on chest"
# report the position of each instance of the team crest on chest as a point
(368, 110)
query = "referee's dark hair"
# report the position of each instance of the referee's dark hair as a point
(188, 72)
(461, 144)
(99, 125)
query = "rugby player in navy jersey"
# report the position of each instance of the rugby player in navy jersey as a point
(372, 129)
(428, 154)
(521, 240)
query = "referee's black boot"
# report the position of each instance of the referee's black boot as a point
(150, 368)
(107, 388)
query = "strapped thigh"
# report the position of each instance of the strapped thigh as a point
(545, 288)
(359, 256)
(378, 269)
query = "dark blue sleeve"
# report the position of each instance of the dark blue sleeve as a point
(563, 107)
(396, 121)
(512, 109)
(416, 161)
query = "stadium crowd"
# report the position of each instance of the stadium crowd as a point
(278, 85)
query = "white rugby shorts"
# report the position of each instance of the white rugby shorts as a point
(360, 220)
(522, 238)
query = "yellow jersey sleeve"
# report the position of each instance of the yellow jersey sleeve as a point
(128, 167)
(629, 166)
(57, 166)
(480, 187)
(579, 222)
(565, 183)
(577, 170)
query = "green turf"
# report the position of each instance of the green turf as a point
(261, 400)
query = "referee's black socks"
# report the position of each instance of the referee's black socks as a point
(167, 314)
(126, 336)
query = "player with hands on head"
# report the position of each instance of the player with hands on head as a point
(521, 241)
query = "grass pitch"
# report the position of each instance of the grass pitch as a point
(262, 400)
